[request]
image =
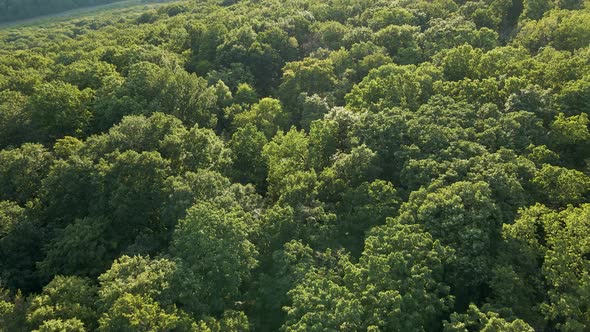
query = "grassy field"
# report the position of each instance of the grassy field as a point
(77, 13)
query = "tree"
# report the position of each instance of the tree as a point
(571, 130)
(137, 313)
(561, 29)
(557, 240)
(139, 276)
(22, 170)
(81, 248)
(215, 257)
(286, 154)
(151, 88)
(395, 295)
(133, 192)
(355, 167)
(12, 311)
(10, 214)
(58, 325)
(333, 134)
(246, 147)
(535, 9)
(401, 43)
(393, 85)
(267, 115)
(188, 97)
(200, 148)
(20, 249)
(362, 208)
(474, 319)
(65, 299)
(203, 185)
(310, 76)
(319, 304)
(455, 31)
(560, 186)
(60, 109)
(573, 97)
(532, 99)
(465, 217)
(460, 62)
(330, 33)
(313, 108)
(570, 4)
(14, 121)
(284, 265)
(70, 190)
(383, 291)
(380, 18)
(91, 74)
(140, 134)
(280, 41)
(245, 94)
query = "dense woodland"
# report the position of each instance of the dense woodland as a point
(298, 165)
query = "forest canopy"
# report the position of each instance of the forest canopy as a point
(300, 165)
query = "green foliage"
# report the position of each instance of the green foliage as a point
(465, 217)
(559, 242)
(572, 130)
(67, 301)
(138, 276)
(309, 76)
(401, 43)
(137, 313)
(55, 325)
(313, 108)
(60, 109)
(216, 257)
(14, 120)
(80, 249)
(10, 213)
(22, 170)
(354, 165)
(20, 248)
(287, 155)
(416, 297)
(90, 74)
(330, 33)
(322, 305)
(12, 311)
(246, 148)
(151, 88)
(393, 85)
(475, 320)
(460, 62)
(561, 186)
(455, 31)
(389, 289)
(267, 115)
(202, 149)
(574, 96)
(561, 29)
(134, 182)
(535, 9)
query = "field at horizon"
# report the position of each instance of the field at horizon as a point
(80, 13)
